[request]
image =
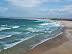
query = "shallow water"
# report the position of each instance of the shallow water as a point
(32, 32)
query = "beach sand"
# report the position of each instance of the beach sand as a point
(59, 45)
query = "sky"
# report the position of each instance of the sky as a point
(36, 8)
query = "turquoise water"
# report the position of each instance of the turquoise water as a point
(15, 31)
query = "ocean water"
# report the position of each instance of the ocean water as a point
(32, 32)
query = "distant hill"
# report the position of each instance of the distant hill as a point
(61, 19)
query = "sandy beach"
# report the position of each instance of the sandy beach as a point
(59, 45)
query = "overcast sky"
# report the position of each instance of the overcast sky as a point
(36, 8)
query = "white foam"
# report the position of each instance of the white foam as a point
(27, 32)
(13, 44)
(51, 24)
(37, 21)
(3, 36)
(3, 25)
(15, 26)
(29, 28)
(47, 28)
(33, 46)
(10, 33)
(57, 24)
(44, 24)
(17, 32)
(49, 31)
(2, 28)
(34, 29)
(14, 32)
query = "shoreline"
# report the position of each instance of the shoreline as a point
(41, 48)
(49, 48)
(46, 40)
(49, 44)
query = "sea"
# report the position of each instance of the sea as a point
(32, 32)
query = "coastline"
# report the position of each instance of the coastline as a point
(59, 45)
(45, 47)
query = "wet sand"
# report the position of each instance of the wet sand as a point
(59, 45)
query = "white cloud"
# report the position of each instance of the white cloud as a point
(67, 6)
(53, 0)
(68, 0)
(3, 9)
(58, 0)
(25, 8)
(64, 12)
(32, 3)
(63, 8)
(25, 3)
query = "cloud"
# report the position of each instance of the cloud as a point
(35, 8)
(32, 3)
(58, 0)
(68, 0)
(64, 12)
(67, 6)
(25, 3)
(53, 0)
(3, 9)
